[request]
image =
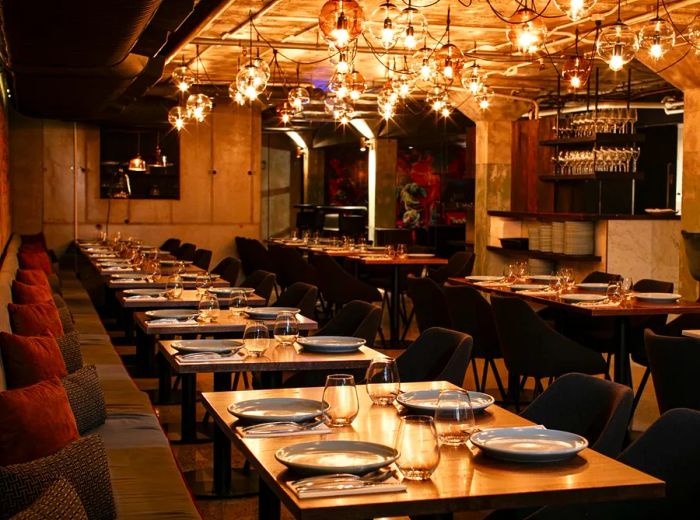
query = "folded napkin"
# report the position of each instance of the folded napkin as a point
(146, 297)
(260, 434)
(171, 321)
(598, 304)
(392, 485)
(298, 348)
(208, 357)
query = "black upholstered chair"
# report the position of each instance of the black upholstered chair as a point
(253, 256)
(460, 264)
(669, 451)
(291, 267)
(437, 354)
(202, 258)
(601, 277)
(429, 303)
(674, 363)
(262, 281)
(691, 241)
(337, 286)
(300, 295)
(186, 251)
(171, 245)
(531, 348)
(228, 269)
(471, 313)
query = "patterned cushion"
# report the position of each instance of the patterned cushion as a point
(58, 300)
(55, 283)
(66, 318)
(58, 502)
(83, 463)
(86, 398)
(69, 345)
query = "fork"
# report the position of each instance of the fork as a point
(373, 477)
(291, 426)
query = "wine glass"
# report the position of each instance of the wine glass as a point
(174, 287)
(256, 338)
(626, 287)
(340, 395)
(208, 308)
(202, 282)
(286, 328)
(401, 251)
(154, 271)
(390, 252)
(454, 417)
(239, 302)
(418, 447)
(382, 380)
(614, 292)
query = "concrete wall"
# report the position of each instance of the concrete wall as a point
(220, 182)
(281, 185)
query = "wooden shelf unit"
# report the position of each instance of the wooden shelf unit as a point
(543, 255)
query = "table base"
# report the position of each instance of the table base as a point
(244, 483)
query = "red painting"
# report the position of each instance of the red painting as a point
(345, 175)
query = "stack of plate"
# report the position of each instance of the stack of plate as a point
(537, 266)
(557, 237)
(579, 238)
(533, 235)
(546, 237)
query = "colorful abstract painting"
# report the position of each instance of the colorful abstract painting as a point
(345, 176)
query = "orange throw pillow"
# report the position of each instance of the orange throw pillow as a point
(25, 293)
(37, 421)
(34, 260)
(30, 359)
(32, 319)
(32, 277)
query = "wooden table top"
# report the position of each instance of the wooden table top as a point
(189, 298)
(114, 283)
(225, 324)
(464, 480)
(630, 307)
(692, 333)
(277, 357)
(385, 260)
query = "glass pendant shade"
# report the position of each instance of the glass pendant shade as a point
(251, 81)
(199, 106)
(340, 22)
(384, 25)
(298, 97)
(657, 37)
(235, 94)
(448, 62)
(340, 85)
(183, 78)
(471, 79)
(576, 71)
(616, 45)
(422, 65)
(483, 99)
(414, 26)
(137, 164)
(357, 85)
(177, 117)
(692, 34)
(526, 31)
(575, 9)
(263, 67)
(285, 113)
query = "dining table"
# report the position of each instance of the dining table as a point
(466, 479)
(188, 299)
(621, 313)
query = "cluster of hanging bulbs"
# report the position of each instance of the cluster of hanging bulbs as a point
(196, 106)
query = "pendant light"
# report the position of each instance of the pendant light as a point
(183, 77)
(137, 164)
(178, 117)
(576, 69)
(384, 25)
(657, 36)
(617, 43)
(448, 58)
(341, 22)
(198, 105)
(471, 78)
(298, 96)
(575, 9)
(526, 31)
(415, 27)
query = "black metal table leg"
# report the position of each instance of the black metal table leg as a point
(394, 316)
(164, 373)
(622, 362)
(188, 408)
(268, 503)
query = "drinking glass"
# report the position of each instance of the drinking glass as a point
(208, 308)
(286, 328)
(401, 250)
(390, 251)
(340, 394)
(180, 267)
(555, 283)
(614, 292)
(202, 283)
(418, 447)
(173, 288)
(239, 303)
(509, 273)
(454, 417)
(382, 380)
(305, 236)
(626, 287)
(256, 338)
(362, 244)
(154, 271)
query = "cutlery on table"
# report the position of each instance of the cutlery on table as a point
(282, 426)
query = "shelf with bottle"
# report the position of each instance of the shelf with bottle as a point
(612, 127)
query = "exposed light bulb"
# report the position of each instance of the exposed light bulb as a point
(445, 111)
(425, 71)
(448, 71)
(657, 36)
(484, 103)
(575, 82)
(343, 66)
(616, 62)
(250, 92)
(239, 98)
(410, 40)
(341, 36)
(388, 35)
(656, 51)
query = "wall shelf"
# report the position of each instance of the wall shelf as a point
(544, 255)
(529, 215)
(596, 176)
(602, 139)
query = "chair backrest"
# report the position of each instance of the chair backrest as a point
(337, 285)
(291, 267)
(202, 258)
(437, 354)
(601, 277)
(602, 410)
(675, 369)
(647, 285)
(386, 236)
(171, 245)
(358, 319)
(262, 281)
(228, 269)
(429, 303)
(305, 220)
(352, 225)
(300, 295)
(472, 314)
(186, 251)
(691, 241)
(459, 264)
(253, 256)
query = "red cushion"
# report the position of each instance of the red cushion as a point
(33, 319)
(38, 238)
(32, 277)
(25, 293)
(37, 421)
(32, 248)
(34, 260)
(30, 359)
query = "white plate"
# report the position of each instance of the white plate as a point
(221, 346)
(657, 297)
(529, 444)
(484, 278)
(193, 276)
(227, 291)
(178, 314)
(660, 211)
(542, 277)
(589, 286)
(528, 287)
(426, 400)
(270, 409)
(420, 255)
(321, 457)
(582, 297)
(145, 292)
(268, 313)
(175, 262)
(331, 344)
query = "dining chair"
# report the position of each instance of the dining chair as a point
(263, 282)
(691, 243)
(601, 277)
(667, 450)
(459, 264)
(338, 286)
(291, 267)
(674, 363)
(186, 251)
(202, 258)
(228, 269)
(171, 245)
(253, 256)
(532, 348)
(471, 313)
(429, 304)
(299, 295)
(438, 354)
